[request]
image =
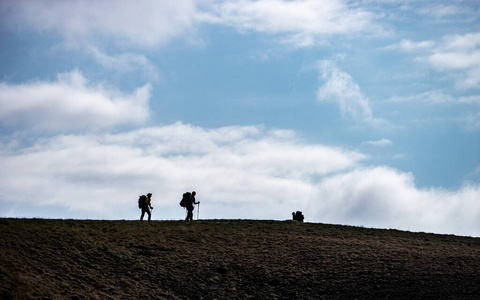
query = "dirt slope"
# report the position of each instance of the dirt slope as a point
(237, 259)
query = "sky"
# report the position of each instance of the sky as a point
(363, 113)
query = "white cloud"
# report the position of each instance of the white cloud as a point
(457, 52)
(341, 88)
(458, 55)
(301, 23)
(230, 166)
(386, 198)
(93, 26)
(143, 23)
(379, 143)
(70, 103)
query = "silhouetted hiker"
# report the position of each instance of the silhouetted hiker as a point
(298, 216)
(189, 201)
(145, 204)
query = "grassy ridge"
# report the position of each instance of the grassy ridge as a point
(230, 259)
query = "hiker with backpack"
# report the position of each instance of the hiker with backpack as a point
(144, 203)
(188, 200)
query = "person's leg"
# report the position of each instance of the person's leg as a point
(143, 214)
(149, 214)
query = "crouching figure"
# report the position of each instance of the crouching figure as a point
(298, 216)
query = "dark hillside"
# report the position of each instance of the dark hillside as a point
(221, 259)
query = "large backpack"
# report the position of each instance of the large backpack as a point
(186, 199)
(142, 201)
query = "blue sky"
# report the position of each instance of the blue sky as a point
(355, 112)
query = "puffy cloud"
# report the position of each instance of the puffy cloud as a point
(70, 102)
(301, 23)
(459, 53)
(386, 198)
(230, 167)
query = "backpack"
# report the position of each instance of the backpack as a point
(142, 201)
(299, 216)
(186, 199)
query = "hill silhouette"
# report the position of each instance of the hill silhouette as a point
(231, 259)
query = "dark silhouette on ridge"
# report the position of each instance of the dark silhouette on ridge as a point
(298, 216)
(144, 203)
(188, 201)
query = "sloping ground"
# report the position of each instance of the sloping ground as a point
(221, 259)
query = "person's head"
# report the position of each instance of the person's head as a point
(194, 193)
(149, 195)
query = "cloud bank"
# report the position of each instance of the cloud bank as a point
(239, 172)
(386, 198)
(229, 167)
